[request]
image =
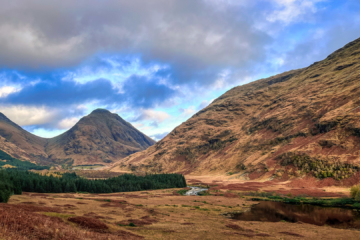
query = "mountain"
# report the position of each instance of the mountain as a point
(298, 122)
(20, 143)
(99, 138)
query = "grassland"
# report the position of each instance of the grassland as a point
(158, 214)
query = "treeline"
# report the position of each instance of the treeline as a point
(6, 159)
(14, 182)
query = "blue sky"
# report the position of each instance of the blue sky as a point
(155, 63)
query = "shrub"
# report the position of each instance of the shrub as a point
(357, 196)
(354, 190)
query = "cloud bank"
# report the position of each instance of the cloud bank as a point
(153, 62)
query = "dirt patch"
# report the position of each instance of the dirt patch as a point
(115, 204)
(69, 206)
(89, 223)
(68, 196)
(187, 223)
(134, 196)
(237, 227)
(250, 235)
(146, 220)
(256, 174)
(292, 234)
(230, 195)
(247, 186)
(152, 211)
(37, 194)
(96, 216)
(128, 235)
(194, 181)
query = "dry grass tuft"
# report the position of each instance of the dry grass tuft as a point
(90, 223)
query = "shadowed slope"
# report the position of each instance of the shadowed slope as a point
(20, 143)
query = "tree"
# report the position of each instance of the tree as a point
(6, 190)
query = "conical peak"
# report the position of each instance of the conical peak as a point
(100, 111)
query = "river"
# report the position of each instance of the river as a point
(194, 191)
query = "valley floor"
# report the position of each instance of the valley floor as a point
(158, 214)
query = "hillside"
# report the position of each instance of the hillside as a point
(299, 122)
(99, 138)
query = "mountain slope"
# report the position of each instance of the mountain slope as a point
(99, 138)
(20, 143)
(298, 122)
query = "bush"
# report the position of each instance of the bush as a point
(354, 190)
(357, 196)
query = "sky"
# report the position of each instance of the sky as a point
(155, 63)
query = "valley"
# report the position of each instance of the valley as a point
(162, 214)
(179, 119)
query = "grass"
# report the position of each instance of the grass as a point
(330, 202)
(169, 217)
(204, 193)
(60, 215)
(182, 191)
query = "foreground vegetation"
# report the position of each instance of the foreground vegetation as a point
(14, 182)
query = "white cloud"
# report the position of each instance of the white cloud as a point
(67, 123)
(187, 112)
(27, 115)
(289, 11)
(152, 115)
(6, 90)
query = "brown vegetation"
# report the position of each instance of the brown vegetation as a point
(20, 224)
(310, 114)
(89, 223)
(159, 216)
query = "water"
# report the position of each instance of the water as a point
(194, 191)
(267, 211)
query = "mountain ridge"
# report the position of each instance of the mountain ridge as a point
(76, 146)
(307, 113)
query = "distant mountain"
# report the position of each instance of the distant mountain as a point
(99, 138)
(298, 122)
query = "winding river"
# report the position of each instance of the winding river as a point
(194, 191)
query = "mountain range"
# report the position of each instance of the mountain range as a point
(99, 138)
(298, 122)
(309, 117)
